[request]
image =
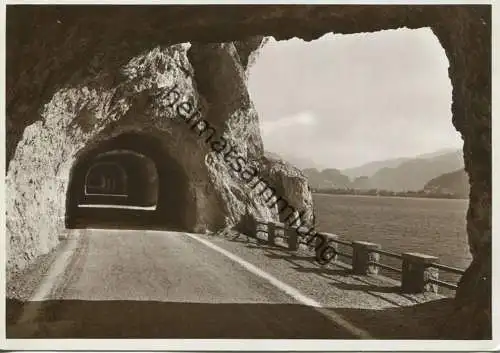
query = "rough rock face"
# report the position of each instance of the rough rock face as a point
(54, 54)
(292, 185)
(78, 118)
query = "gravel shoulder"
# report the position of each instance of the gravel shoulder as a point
(143, 271)
(22, 285)
(372, 303)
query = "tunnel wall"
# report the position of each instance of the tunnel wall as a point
(171, 196)
(63, 75)
(136, 104)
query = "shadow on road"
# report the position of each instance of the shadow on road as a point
(137, 319)
(334, 272)
(110, 218)
(142, 319)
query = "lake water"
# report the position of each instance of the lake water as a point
(431, 226)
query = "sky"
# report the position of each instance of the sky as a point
(344, 100)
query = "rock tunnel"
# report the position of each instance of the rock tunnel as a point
(77, 75)
(131, 169)
(105, 178)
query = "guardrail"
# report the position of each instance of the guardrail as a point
(419, 272)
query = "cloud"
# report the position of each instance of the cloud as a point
(345, 100)
(303, 118)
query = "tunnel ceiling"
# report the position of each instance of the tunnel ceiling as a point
(49, 46)
(155, 179)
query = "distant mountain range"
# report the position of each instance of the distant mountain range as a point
(456, 182)
(299, 162)
(398, 174)
(413, 174)
(327, 178)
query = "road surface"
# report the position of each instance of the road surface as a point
(158, 284)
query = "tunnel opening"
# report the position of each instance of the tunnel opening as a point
(370, 116)
(107, 179)
(121, 178)
(129, 181)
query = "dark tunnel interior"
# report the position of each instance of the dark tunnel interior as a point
(121, 177)
(129, 181)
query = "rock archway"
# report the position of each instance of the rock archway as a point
(151, 178)
(70, 81)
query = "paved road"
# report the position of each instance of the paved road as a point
(156, 284)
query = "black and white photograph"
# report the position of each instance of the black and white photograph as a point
(306, 175)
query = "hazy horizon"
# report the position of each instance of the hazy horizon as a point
(346, 100)
(442, 150)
